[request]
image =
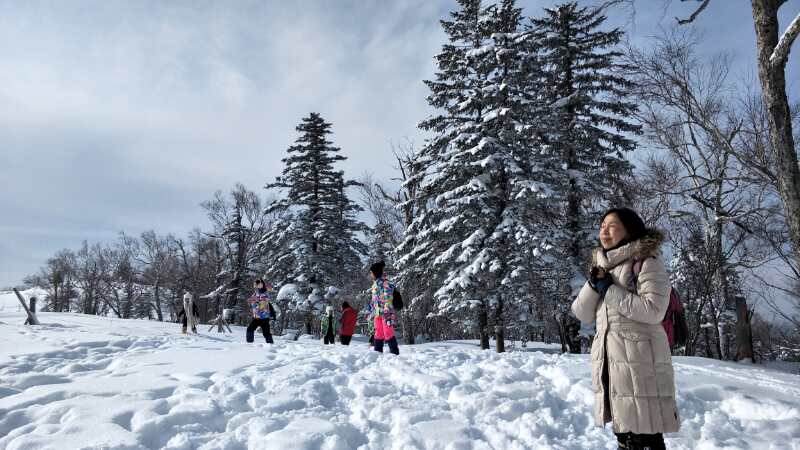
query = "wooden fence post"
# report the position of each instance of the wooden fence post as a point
(32, 320)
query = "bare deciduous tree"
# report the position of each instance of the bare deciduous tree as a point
(239, 223)
(772, 53)
(691, 118)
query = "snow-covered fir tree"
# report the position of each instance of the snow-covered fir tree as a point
(380, 246)
(482, 175)
(315, 243)
(590, 125)
(589, 130)
(346, 250)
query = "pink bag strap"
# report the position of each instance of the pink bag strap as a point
(637, 267)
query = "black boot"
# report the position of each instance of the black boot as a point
(393, 348)
(379, 345)
(623, 441)
(250, 335)
(657, 442)
(632, 441)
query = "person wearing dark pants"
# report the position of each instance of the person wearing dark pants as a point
(262, 310)
(190, 313)
(635, 393)
(349, 316)
(392, 342)
(382, 311)
(329, 326)
(264, 324)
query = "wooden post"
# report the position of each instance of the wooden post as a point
(220, 323)
(32, 307)
(32, 320)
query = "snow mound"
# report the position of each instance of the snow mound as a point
(91, 382)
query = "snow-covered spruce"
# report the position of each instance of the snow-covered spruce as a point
(482, 237)
(314, 243)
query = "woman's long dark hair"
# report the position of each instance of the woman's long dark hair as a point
(634, 225)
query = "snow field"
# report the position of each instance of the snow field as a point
(91, 382)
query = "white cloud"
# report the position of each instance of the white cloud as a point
(126, 115)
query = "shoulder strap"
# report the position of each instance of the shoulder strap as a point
(637, 266)
(636, 269)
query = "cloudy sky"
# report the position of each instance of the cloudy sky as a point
(126, 115)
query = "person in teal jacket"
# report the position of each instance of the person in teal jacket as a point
(329, 326)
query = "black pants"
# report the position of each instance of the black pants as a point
(633, 441)
(393, 348)
(330, 338)
(344, 339)
(264, 324)
(186, 324)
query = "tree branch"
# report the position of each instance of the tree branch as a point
(694, 14)
(781, 52)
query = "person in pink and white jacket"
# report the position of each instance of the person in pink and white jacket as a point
(262, 310)
(382, 310)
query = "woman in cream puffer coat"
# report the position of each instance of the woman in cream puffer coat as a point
(632, 371)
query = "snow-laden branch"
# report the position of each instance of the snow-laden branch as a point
(781, 51)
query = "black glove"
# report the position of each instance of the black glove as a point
(600, 280)
(593, 277)
(603, 284)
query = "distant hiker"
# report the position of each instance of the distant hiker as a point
(261, 307)
(370, 322)
(329, 323)
(189, 314)
(348, 327)
(632, 372)
(382, 310)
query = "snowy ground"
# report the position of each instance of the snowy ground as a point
(89, 382)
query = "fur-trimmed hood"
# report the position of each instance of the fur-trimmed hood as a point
(650, 243)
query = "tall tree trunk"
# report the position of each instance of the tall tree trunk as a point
(722, 348)
(483, 326)
(694, 334)
(157, 294)
(563, 332)
(744, 336)
(709, 351)
(408, 327)
(499, 328)
(717, 337)
(690, 347)
(773, 86)
(56, 300)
